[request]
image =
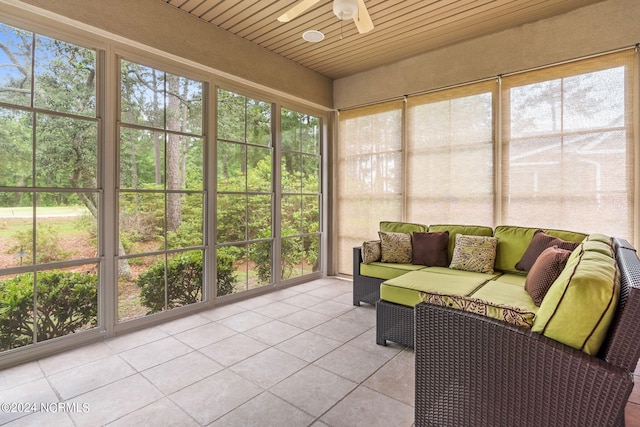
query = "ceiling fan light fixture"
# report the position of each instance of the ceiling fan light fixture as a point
(313, 36)
(345, 9)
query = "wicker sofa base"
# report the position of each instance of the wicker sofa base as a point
(394, 322)
(365, 288)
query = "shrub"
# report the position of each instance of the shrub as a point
(184, 281)
(66, 302)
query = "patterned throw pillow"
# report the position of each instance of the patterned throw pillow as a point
(474, 253)
(395, 247)
(371, 251)
(430, 249)
(514, 315)
(539, 243)
(545, 271)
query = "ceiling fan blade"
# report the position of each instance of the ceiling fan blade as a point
(297, 10)
(362, 18)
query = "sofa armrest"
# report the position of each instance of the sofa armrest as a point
(365, 288)
(474, 370)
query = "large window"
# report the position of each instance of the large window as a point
(300, 195)
(370, 174)
(49, 189)
(161, 192)
(564, 157)
(568, 146)
(450, 156)
(244, 204)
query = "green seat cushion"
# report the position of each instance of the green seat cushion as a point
(453, 229)
(401, 227)
(384, 270)
(504, 293)
(512, 278)
(580, 305)
(405, 289)
(462, 273)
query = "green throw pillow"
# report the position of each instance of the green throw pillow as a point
(401, 227)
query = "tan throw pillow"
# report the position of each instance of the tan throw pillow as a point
(430, 249)
(371, 251)
(395, 247)
(539, 243)
(545, 271)
(474, 253)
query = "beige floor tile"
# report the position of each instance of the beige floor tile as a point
(367, 342)
(244, 321)
(309, 346)
(155, 353)
(33, 392)
(255, 302)
(135, 339)
(214, 396)
(284, 293)
(268, 367)
(73, 358)
(181, 372)
(163, 413)
(18, 375)
(351, 363)
(233, 349)
(340, 330)
(304, 300)
(365, 407)
(42, 418)
(115, 400)
(73, 382)
(364, 315)
(205, 335)
(265, 410)
(274, 332)
(632, 415)
(183, 324)
(313, 389)
(332, 308)
(277, 309)
(222, 312)
(395, 379)
(305, 319)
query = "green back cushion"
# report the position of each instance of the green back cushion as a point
(472, 230)
(514, 241)
(580, 305)
(401, 227)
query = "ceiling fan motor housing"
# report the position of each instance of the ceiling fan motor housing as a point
(345, 9)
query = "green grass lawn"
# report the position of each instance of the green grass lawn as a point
(13, 212)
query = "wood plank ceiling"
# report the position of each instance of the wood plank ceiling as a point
(403, 28)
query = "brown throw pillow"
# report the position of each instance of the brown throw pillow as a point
(539, 243)
(545, 271)
(430, 249)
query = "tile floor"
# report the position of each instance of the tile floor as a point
(301, 356)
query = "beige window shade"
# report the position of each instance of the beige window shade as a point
(369, 175)
(567, 149)
(450, 171)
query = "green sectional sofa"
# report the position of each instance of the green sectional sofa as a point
(500, 291)
(547, 336)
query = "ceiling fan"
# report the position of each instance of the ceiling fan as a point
(343, 9)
